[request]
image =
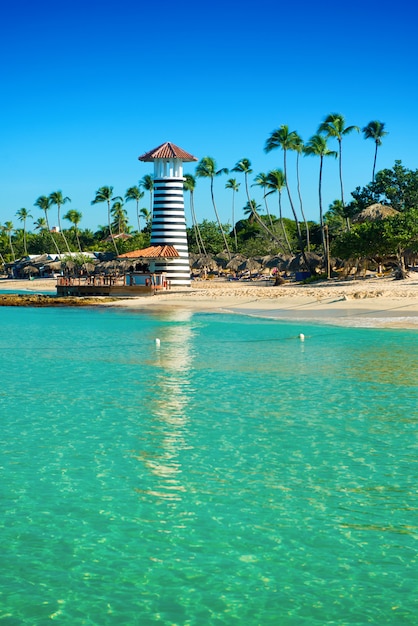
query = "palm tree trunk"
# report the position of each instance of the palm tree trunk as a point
(308, 243)
(340, 167)
(321, 215)
(268, 231)
(219, 221)
(52, 237)
(233, 221)
(11, 246)
(282, 224)
(61, 231)
(374, 162)
(137, 216)
(24, 238)
(268, 212)
(299, 234)
(199, 234)
(110, 228)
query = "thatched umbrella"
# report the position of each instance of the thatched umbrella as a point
(235, 262)
(204, 261)
(250, 265)
(281, 262)
(30, 270)
(222, 260)
(55, 266)
(298, 262)
(374, 213)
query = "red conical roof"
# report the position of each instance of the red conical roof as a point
(167, 150)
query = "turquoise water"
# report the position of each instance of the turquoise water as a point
(231, 476)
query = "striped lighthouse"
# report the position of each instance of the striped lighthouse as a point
(168, 218)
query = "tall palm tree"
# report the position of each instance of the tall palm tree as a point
(334, 126)
(147, 182)
(58, 199)
(261, 180)
(232, 184)
(8, 229)
(134, 193)
(276, 182)
(105, 194)
(44, 203)
(287, 140)
(74, 217)
(375, 130)
(297, 145)
(24, 215)
(284, 139)
(317, 146)
(189, 185)
(206, 168)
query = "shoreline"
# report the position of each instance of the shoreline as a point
(367, 303)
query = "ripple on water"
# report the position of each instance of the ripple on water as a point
(233, 476)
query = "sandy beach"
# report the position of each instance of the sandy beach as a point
(369, 302)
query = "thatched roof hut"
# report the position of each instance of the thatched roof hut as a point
(374, 213)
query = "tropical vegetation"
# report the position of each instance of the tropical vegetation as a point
(254, 228)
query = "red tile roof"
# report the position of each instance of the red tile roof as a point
(153, 252)
(167, 150)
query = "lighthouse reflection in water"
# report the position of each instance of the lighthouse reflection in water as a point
(172, 396)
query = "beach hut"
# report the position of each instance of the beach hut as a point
(374, 213)
(168, 217)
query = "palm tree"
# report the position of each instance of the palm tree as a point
(44, 203)
(189, 185)
(147, 216)
(298, 146)
(252, 210)
(375, 130)
(8, 229)
(58, 199)
(286, 140)
(147, 183)
(276, 182)
(262, 181)
(134, 193)
(317, 146)
(40, 224)
(74, 217)
(334, 126)
(119, 214)
(23, 215)
(234, 186)
(104, 194)
(244, 167)
(206, 168)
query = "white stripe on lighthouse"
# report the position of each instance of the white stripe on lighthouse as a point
(169, 228)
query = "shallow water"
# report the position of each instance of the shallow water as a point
(232, 475)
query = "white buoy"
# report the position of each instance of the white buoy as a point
(301, 336)
(157, 342)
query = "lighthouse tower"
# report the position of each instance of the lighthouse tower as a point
(168, 218)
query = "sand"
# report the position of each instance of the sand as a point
(370, 302)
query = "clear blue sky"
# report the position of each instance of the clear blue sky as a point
(88, 86)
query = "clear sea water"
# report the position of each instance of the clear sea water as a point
(233, 475)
